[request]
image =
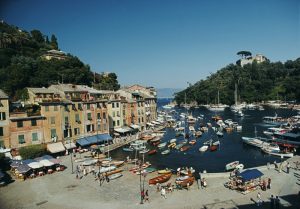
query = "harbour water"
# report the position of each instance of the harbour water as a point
(230, 149)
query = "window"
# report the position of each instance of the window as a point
(104, 115)
(98, 116)
(53, 132)
(114, 114)
(76, 131)
(124, 113)
(79, 106)
(2, 116)
(142, 120)
(118, 113)
(52, 120)
(1, 131)
(34, 137)
(98, 127)
(47, 108)
(113, 105)
(88, 128)
(1, 143)
(89, 116)
(66, 119)
(117, 104)
(124, 122)
(114, 123)
(21, 139)
(77, 118)
(33, 122)
(19, 124)
(88, 106)
(118, 122)
(139, 120)
(55, 108)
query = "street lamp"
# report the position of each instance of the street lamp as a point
(141, 189)
(72, 162)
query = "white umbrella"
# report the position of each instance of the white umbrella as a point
(46, 163)
(35, 165)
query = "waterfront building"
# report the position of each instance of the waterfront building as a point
(4, 120)
(25, 129)
(39, 95)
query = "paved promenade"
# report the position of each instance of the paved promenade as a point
(63, 190)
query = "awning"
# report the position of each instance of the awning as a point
(70, 145)
(46, 163)
(121, 130)
(35, 165)
(250, 174)
(23, 168)
(56, 147)
(93, 139)
(150, 124)
(135, 126)
(83, 142)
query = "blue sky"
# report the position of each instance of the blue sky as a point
(164, 43)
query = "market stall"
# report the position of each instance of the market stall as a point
(246, 181)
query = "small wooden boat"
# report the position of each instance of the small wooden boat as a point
(219, 133)
(213, 148)
(148, 137)
(152, 152)
(115, 176)
(127, 149)
(192, 142)
(208, 142)
(160, 179)
(203, 148)
(164, 171)
(156, 139)
(113, 172)
(184, 148)
(90, 162)
(183, 183)
(178, 146)
(173, 141)
(116, 163)
(198, 133)
(165, 152)
(162, 145)
(232, 165)
(216, 143)
(172, 145)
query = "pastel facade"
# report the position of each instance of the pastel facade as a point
(4, 120)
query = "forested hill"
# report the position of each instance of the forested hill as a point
(255, 82)
(22, 63)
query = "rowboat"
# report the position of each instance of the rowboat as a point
(116, 163)
(198, 134)
(162, 145)
(156, 143)
(203, 148)
(184, 148)
(216, 143)
(156, 139)
(127, 149)
(188, 181)
(160, 179)
(232, 165)
(115, 176)
(219, 133)
(113, 172)
(152, 152)
(178, 146)
(107, 169)
(165, 152)
(192, 142)
(164, 171)
(172, 145)
(144, 151)
(173, 141)
(90, 162)
(213, 148)
(136, 168)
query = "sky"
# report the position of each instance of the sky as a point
(162, 43)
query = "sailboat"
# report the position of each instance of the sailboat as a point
(218, 106)
(237, 107)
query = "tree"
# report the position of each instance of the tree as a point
(244, 54)
(37, 36)
(32, 151)
(53, 42)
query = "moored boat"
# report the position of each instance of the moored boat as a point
(165, 152)
(164, 171)
(203, 148)
(232, 165)
(162, 145)
(213, 148)
(152, 152)
(184, 183)
(115, 176)
(192, 142)
(160, 179)
(184, 148)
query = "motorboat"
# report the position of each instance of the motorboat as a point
(203, 148)
(115, 176)
(165, 152)
(216, 143)
(192, 142)
(144, 151)
(160, 179)
(173, 141)
(162, 145)
(220, 133)
(253, 141)
(232, 165)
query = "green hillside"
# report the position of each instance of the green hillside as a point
(255, 83)
(22, 64)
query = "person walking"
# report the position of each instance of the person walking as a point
(147, 196)
(272, 202)
(163, 193)
(288, 168)
(277, 203)
(269, 183)
(142, 196)
(259, 200)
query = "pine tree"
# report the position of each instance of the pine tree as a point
(53, 42)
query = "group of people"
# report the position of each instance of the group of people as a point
(83, 171)
(274, 201)
(266, 184)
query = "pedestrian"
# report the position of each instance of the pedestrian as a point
(277, 203)
(142, 196)
(147, 196)
(188, 186)
(84, 172)
(269, 183)
(259, 200)
(268, 165)
(288, 168)
(204, 183)
(163, 193)
(275, 164)
(272, 202)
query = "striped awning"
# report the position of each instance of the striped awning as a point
(56, 147)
